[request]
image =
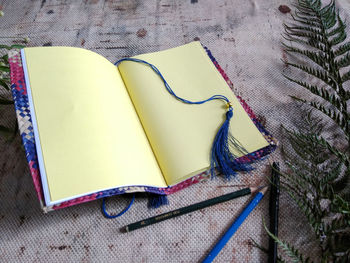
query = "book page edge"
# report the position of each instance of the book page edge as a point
(42, 170)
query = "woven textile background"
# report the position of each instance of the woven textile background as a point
(244, 36)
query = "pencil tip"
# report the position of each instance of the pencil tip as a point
(264, 190)
(257, 188)
(124, 229)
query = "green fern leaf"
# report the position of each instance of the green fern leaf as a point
(307, 35)
(327, 11)
(311, 212)
(309, 17)
(330, 19)
(334, 115)
(310, 5)
(340, 28)
(338, 39)
(5, 101)
(343, 62)
(306, 22)
(4, 84)
(342, 49)
(303, 29)
(345, 77)
(316, 57)
(5, 58)
(334, 170)
(266, 251)
(342, 156)
(318, 170)
(320, 74)
(291, 251)
(4, 69)
(12, 46)
(342, 183)
(303, 12)
(313, 44)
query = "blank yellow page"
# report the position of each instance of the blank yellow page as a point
(91, 138)
(181, 135)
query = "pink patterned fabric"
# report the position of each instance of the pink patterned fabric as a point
(19, 92)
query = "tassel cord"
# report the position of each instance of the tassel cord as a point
(156, 70)
(103, 208)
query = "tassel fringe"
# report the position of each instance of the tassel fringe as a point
(155, 200)
(222, 158)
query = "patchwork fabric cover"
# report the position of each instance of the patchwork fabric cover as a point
(20, 97)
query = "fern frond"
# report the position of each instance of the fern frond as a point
(320, 74)
(326, 11)
(310, 209)
(306, 22)
(316, 57)
(301, 181)
(309, 17)
(340, 28)
(4, 68)
(4, 84)
(330, 178)
(342, 49)
(293, 253)
(343, 157)
(329, 16)
(318, 179)
(345, 77)
(343, 62)
(266, 251)
(4, 101)
(323, 93)
(307, 13)
(319, 140)
(313, 34)
(313, 5)
(315, 31)
(333, 114)
(310, 43)
(342, 183)
(313, 153)
(338, 39)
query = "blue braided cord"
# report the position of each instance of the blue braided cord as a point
(117, 215)
(214, 97)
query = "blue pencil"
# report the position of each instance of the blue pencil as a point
(233, 228)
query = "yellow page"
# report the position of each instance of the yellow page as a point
(91, 138)
(181, 135)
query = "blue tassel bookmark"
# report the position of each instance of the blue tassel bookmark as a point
(221, 159)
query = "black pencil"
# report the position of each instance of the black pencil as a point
(273, 211)
(188, 209)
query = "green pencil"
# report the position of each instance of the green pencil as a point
(188, 209)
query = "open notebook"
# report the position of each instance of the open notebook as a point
(91, 129)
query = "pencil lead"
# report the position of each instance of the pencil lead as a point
(264, 190)
(256, 188)
(123, 229)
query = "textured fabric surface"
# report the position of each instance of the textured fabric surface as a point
(244, 37)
